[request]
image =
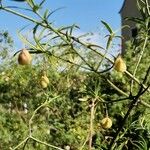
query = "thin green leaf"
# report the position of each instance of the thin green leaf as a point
(68, 36)
(66, 28)
(35, 29)
(46, 13)
(31, 3)
(117, 36)
(72, 27)
(36, 52)
(42, 2)
(54, 12)
(107, 27)
(16, 53)
(15, 7)
(106, 70)
(109, 42)
(94, 45)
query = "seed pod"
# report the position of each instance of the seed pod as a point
(44, 81)
(106, 123)
(43, 84)
(24, 57)
(119, 64)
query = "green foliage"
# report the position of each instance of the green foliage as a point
(83, 89)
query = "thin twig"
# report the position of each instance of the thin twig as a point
(91, 124)
(139, 60)
(21, 143)
(46, 144)
(33, 115)
(128, 95)
(35, 111)
(87, 138)
(25, 144)
(117, 100)
(133, 104)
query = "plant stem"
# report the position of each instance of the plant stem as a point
(33, 115)
(139, 60)
(113, 142)
(24, 141)
(46, 144)
(91, 124)
(133, 104)
(125, 94)
(59, 33)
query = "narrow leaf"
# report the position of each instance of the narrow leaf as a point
(107, 27)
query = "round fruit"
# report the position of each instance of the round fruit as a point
(24, 57)
(106, 123)
(119, 64)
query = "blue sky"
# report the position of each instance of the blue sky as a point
(88, 13)
(85, 13)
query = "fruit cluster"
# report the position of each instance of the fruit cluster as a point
(25, 58)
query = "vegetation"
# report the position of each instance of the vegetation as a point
(74, 95)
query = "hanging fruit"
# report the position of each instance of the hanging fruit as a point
(119, 64)
(24, 57)
(106, 123)
(44, 81)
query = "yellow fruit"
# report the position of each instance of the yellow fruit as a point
(44, 84)
(119, 64)
(106, 123)
(24, 57)
(44, 81)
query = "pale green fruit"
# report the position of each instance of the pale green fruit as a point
(43, 84)
(120, 65)
(106, 123)
(45, 79)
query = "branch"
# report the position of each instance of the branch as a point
(128, 95)
(44, 143)
(91, 124)
(61, 35)
(21, 143)
(133, 104)
(139, 60)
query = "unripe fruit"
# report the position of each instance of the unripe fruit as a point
(119, 64)
(106, 123)
(44, 81)
(43, 84)
(24, 57)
